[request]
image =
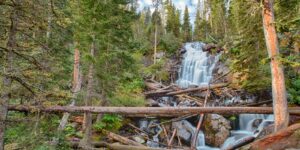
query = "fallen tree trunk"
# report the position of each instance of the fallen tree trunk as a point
(279, 140)
(115, 146)
(157, 93)
(173, 92)
(122, 139)
(213, 86)
(240, 143)
(151, 111)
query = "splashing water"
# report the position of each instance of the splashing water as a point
(250, 126)
(227, 6)
(197, 66)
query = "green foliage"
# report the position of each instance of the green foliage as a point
(294, 91)
(129, 93)
(173, 20)
(70, 130)
(157, 70)
(35, 135)
(170, 43)
(247, 51)
(109, 122)
(232, 118)
(186, 27)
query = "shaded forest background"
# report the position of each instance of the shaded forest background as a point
(116, 44)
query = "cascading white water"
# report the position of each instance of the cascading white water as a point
(250, 126)
(227, 6)
(197, 66)
(196, 70)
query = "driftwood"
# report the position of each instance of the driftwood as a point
(122, 139)
(278, 140)
(151, 111)
(213, 86)
(157, 93)
(172, 92)
(172, 138)
(241, 143)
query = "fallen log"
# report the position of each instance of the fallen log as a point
(279, 140)
(122, 139)
(240, 143)
(173, 92)
(157, 93)
(213, 86)
(116, 146)
(150, 111)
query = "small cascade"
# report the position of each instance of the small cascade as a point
(197, 66)
(227, 6)
(250, 125)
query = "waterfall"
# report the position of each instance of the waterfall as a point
(196, 70)
(250, 125)
(227, 6)
(197, 66)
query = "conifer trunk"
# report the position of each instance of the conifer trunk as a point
(155, 43)
(278, 83)
(8, 69)
(76, 86)
(87, 124)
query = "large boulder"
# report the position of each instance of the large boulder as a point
(185, 129)
(216, 129)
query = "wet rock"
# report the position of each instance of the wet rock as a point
(139, 139)
(143, 124)
(266, 131)
(185, 129)
(216, 129)
(160, 55)
(182, 51)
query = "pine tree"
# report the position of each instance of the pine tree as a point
(186, 27)
(177, 24)
(148, 16)
(197, 30)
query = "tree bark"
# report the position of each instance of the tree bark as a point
(152, 111)
(276, 140)
(75, 88)
(87, 125)
(155, 44)
(122, 139)
(177, 92)
(8, 69)
(278, 84)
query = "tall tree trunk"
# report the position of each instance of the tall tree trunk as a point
(88, 102)
(49, 21)
(278, 83)
(8, 69)
(155, 44)
(76, 86)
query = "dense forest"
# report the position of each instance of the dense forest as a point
(92, 74)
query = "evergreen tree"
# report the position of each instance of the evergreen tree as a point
(197, 29)
(177, 24)
(170, 17)
(217, 19)
(186, 27)
(148, 16)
